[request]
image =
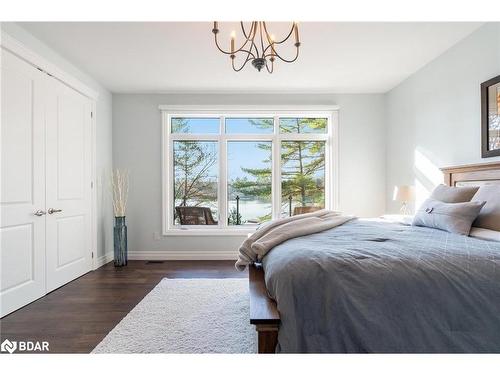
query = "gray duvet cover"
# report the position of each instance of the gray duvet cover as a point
(371, 286)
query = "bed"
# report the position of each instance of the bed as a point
(391, 288)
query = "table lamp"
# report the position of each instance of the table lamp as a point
(404, 194)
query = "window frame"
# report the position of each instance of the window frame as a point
(276, 137)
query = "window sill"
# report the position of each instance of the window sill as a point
(210, 232)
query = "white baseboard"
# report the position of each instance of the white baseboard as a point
(103, 259)
(182, 255)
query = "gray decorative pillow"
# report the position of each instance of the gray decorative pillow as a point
(454, 194)
(451, 217)
(489, 217)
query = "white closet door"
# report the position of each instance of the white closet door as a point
(22, 184)
(68, 190)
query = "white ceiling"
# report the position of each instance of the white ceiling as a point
(181, 57)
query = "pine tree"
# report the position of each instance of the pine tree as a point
(302, 163)
(193, 161)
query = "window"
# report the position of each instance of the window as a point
(225, 172)
(303, 125)
(249, 182)
(249, 125)
(302, 175)
(194, 125)
(195, 179)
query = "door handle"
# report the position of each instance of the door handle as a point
(39, 213)
(53, 211)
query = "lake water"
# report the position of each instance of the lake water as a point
(252, 210)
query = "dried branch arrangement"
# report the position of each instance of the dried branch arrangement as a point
(119, 186)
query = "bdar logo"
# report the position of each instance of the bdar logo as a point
(8, 346)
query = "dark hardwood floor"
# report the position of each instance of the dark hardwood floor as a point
(77, 316)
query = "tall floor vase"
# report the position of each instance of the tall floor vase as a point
(120, 241)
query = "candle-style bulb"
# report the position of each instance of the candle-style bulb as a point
(273, 52)
(233, 36)
(296, 28)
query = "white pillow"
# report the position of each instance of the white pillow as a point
(485, 234)
(489, 217)
(451, 217)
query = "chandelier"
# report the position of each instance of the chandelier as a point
(259, 46)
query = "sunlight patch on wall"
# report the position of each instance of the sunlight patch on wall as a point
(427, 176)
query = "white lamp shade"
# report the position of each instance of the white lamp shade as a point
(404, 193)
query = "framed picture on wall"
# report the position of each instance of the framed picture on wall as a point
(490, 117)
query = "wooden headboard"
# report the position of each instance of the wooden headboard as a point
(473, 174)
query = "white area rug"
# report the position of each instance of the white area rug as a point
(187, 316)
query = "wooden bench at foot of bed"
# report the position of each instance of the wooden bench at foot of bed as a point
(263, 311)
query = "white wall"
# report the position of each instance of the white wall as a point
(104, 129)
(137, 146)
(433, 117)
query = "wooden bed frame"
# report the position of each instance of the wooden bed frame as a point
(472, 173)
(263, 310)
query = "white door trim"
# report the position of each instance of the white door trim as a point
(12, 45)
(17, 48)
(93, 176)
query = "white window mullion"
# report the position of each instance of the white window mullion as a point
(333, 172)
(169, 157)
(165, 165)
(171, 198)
(194, 137)
(328, 173)
(222, 199)
(276, 170)
(304, 137)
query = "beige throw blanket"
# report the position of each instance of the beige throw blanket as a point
(275, 232)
